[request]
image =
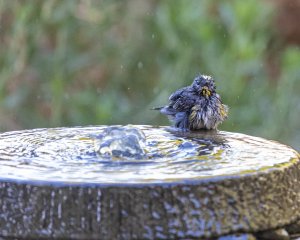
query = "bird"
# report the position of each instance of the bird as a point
(197, 106)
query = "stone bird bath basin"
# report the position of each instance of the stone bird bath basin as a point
(143, 182)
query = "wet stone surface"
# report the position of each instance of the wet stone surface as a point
(80, 183)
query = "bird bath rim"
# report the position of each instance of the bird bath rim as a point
(220, 135)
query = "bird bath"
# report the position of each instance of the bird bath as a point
(143, 182)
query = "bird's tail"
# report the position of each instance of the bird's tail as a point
(156, 108)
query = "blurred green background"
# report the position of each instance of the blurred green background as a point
(67, 63)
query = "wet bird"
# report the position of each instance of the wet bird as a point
(197, 106)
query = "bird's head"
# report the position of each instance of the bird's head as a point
(204, 85)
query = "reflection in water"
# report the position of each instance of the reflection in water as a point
(72, 155)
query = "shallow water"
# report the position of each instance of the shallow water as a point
(69, 155)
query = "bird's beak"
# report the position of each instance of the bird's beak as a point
(205, 91)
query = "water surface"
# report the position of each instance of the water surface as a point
(69, 155)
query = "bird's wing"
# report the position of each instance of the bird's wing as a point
(183, 102)
(175, 95)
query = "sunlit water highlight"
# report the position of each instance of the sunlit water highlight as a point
(69, 155)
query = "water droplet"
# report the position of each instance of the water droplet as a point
(140, 65)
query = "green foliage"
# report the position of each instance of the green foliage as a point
(70, 62)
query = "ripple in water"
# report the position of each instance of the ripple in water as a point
(71, 155)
